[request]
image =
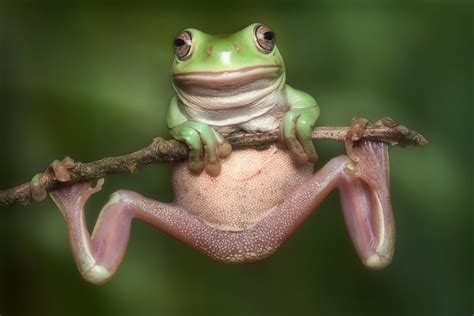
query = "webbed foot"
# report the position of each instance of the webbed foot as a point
(367, 209)
(60, 170)
(73, 196)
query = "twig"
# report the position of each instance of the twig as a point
(160, 150)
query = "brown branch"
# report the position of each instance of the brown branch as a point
(160, 150)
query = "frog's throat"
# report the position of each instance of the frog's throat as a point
(224, 104)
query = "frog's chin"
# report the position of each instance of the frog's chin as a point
(227, 80)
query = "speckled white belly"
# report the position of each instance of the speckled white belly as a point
(251, 183)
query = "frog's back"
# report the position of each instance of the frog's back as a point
(251, 183)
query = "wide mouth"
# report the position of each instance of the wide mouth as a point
(228, 79)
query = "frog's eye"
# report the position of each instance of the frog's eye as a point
(183, 45)
(265, 38)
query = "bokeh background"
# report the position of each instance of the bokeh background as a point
(91, 79)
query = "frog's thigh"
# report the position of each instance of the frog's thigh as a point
(253, 244)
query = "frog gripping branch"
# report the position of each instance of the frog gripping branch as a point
(238, 206)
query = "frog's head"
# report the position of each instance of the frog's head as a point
(216, 66)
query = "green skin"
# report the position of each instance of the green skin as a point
(214, 54)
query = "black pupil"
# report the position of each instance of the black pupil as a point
(268, 35)
(179, 42)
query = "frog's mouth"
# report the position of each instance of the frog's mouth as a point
(255, 88)
(254, 77)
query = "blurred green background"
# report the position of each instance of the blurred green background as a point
(91, 80)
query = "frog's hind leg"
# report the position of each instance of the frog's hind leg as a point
(365, 199)
(364, 195)
(98, 256)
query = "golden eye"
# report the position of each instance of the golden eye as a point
(183, 45)
(265, 38)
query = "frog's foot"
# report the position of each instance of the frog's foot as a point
(355, 133)
(386, 121)
(71, 198)
(365, 199)
(297, 125)
(206, 146)
(60, 171)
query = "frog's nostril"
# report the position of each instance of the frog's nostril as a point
(209, 51)
(237, 47)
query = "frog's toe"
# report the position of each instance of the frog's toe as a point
(60, 169)
(224, 149)
(38, 193)
(196, 165)
(213, 169)
(355, 133)
(358, 126)
(297, 150)
(309, 150)
(313, 156)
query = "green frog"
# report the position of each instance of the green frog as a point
(237, 206)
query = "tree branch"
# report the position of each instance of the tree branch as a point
(160, 150)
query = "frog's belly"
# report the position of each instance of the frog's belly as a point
(251, 183)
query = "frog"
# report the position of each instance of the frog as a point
(236, 205)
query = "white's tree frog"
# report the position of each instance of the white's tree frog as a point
(249, 202)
